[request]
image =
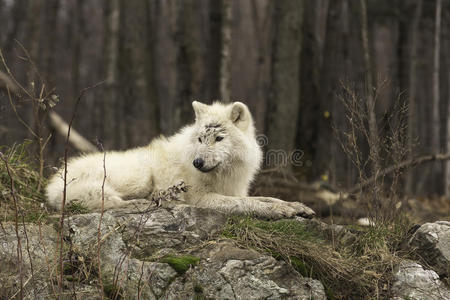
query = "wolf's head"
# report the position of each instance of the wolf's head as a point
(223, 137)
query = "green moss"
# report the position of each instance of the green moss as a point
(180, 263)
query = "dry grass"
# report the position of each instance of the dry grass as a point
(360, 270)
(381, 195)
(26, 182)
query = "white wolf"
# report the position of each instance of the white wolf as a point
(217, 157)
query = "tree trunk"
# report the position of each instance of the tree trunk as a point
(435, 141)
(261, 15)
(284, 97)
(371, 111)
(18, 11)
(447, 144)
(137, 105)
(33, 30)
(188, 58)
(225, 51)
(217, 76)
(77, 35)
(325, 150)
(47, 42)
(412, 118)
(109, 133)
(447, 164)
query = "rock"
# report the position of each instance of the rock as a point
(431, 242)
(130, 237)
(168, 253)
(38, 249)
(412, 281)
(364, 222)
(233, 273)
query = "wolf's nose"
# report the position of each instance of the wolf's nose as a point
(198, 163)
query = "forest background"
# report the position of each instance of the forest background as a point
(292, 62)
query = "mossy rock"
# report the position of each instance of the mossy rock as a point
(180, 263)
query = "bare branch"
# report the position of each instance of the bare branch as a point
(100, 221)
(63, 204)
(401, 166)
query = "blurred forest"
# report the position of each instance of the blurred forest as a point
(286, 59)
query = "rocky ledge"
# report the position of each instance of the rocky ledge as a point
(164, 253)
(431, 243)
(180, 253)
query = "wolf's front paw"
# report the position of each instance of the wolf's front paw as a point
(285, 207)
(280, 211)
(302, 210)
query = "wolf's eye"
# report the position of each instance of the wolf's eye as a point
(219, 138)
(200, 140)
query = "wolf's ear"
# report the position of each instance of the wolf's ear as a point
(199, 109)
(240, 115)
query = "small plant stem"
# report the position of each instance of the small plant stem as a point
(99, 242)
(61, 221)
(16, 222)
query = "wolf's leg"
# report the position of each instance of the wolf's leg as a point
(260, 206)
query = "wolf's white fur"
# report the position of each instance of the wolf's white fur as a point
(136, 173)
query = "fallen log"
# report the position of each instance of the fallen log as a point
(76, 139)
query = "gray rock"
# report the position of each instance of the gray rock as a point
(431, 242)
(132, 243)
(38, 244)
(130, 237)
(412, 281)
(233, 273)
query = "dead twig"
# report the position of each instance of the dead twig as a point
(40, 102)
(16, 222)
(63, 204)
(100, 221)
